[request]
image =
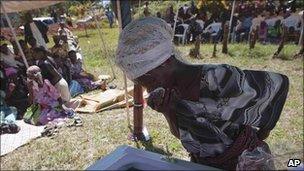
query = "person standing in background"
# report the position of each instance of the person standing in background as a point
(146, 9)
(36, 29)
(110, 16)
(54, 15)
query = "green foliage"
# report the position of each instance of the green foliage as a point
(156, 6)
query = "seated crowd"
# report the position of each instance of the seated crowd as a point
(266, 17)
(42, 92)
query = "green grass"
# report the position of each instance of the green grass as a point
(79, 147)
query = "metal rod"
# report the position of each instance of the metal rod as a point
(14, 35)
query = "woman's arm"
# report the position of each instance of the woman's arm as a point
(29, 84)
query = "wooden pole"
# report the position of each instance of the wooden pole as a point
(195, 52)
(175, 20)
(302, 30)
(15, 37)
(225, 38)
(103, 45)
(214, 50)
(124, 75)
(231, 17)
(282, 43)
(252, 38)
(138, 112)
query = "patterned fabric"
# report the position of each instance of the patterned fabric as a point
(59, 51)
(229, 99)
(86, 82)
(65, 32)
(8, 114)
(144, 44)
(76, 68)
(47, 97)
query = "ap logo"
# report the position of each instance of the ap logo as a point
(294, 162)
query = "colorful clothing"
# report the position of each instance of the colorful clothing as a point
(274, 32)
(59, 51)
(8, 114)
(85, 81)
(47, 97)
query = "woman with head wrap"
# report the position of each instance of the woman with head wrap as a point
(86, 80)
(44, 96)
(217, 111)
(49, 71)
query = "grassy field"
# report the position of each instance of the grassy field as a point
(79, 147)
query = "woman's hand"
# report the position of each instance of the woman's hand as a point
(11, 87)
(162, 100)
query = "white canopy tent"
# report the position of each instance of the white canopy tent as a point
(17, 6)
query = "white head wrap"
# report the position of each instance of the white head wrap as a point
(144, 44)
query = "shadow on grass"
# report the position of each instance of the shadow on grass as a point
(150, 147)
(84, 36)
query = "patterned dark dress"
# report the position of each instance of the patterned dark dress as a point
(230, 100)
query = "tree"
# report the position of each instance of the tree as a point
(80, 10)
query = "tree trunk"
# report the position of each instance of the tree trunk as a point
(195, 52)
(282, 42)
(85, 29)
(214, 50)
(301, 52)
(225, 39)
(252, 38)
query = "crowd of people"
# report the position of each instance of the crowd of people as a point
(266, 17)
(42, 92)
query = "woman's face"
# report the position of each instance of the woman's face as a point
(36, 76)
(158, 77)
(39, 55)
(73, 57)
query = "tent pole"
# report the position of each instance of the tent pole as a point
(124, 75)
(231, 17)
(175, 20)
(139, 7)
(104, 46)
(15, 37)
(302, 30)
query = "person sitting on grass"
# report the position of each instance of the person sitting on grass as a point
(8, 114)
(35, 49)
(60, 54)
(64, 31)
(58, 49)
(263, 32)
(45, 99)
(86, 80)
(274, 33)
(51, 73)
(16, 94)
(26, 50)
(220, 113)
(8, 57)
